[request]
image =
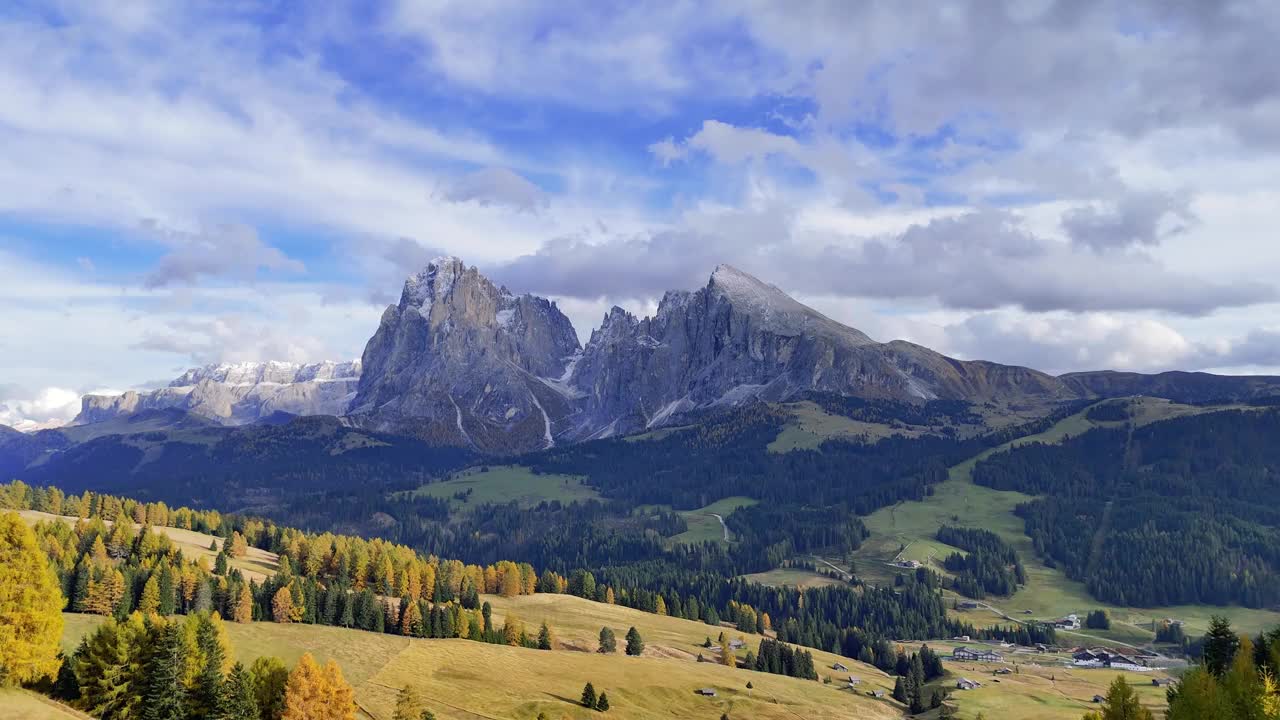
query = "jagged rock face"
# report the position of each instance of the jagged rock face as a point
(461, 361)
(239, 393)
(739, 339)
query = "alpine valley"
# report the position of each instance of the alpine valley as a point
(736, 456)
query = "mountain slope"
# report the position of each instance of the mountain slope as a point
(1187, 387)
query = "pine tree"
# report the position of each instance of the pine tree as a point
(166, 693)
(241, 700)
(900, 690)
(544, 637)
(1220, 645)
(602, 703)
(635, 643)
(608, 642)
(589, 696)
(30, 606)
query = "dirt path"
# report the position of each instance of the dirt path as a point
(722, 525)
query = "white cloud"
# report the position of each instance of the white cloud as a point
(46, 408)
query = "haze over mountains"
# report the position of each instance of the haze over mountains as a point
(460, 361)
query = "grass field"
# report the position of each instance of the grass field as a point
(811, 426)
(463, 679)
(795, 577)
(507, 483)
(1048, 593)
(703, 526)
(256, 564)
(18, 704)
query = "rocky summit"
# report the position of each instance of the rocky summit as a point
(461, 361)
(238, 393)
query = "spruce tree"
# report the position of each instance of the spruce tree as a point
(207, 693)
(602, 703)
(635, 643)
(1220, 645)
(608, 642)
(241, 700)
(589, 696)
(899, 690)
(166, 695)
(544, 637)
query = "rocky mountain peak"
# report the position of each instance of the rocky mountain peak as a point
(462, 361)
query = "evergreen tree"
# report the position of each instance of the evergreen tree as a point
(30, 606)
(589, 696)
(241, 698)
(635, 643)
(602, 703)
(1121, 704)
(1220, 645)
(608, 643)
(207, 698)
(166, 693)
(544, 637)
(900, 690)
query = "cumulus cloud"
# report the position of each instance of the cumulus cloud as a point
(497, 186)
(232, 252)
(35, 410)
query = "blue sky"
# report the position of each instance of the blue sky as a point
(1064, 185)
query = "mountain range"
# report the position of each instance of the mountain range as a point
(460, 361)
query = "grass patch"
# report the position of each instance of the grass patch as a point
(794, 577)
(507, 483)
(703, 525)
(811, 426)
(16, 704)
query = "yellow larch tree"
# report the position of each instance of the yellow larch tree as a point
(30, 606)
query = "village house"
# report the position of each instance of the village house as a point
(976, 655)
(967, 684)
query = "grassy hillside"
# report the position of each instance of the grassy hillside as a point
(461, 679)
(18, 704)
(1049, 593)
(507, 483)
(811, 426)
(256, 564)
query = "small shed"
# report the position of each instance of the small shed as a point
(967, 684)
(707, 692)
(840, 667)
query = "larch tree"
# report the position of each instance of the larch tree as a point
(408, 705)
(340, 697)
(1121, 703)
(30, 606)
(282, 609)
(270, 682)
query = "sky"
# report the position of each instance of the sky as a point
(1066, 185)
